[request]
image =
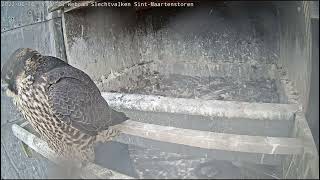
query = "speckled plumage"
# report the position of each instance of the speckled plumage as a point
(61, 102)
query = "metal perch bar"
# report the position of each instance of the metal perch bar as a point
(91, 171)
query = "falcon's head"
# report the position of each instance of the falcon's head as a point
(22, 62)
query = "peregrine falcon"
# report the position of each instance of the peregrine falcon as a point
(61, 103)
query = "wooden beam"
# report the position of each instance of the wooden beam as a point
(91, 171)
(213, 108)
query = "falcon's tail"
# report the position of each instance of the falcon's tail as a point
(117, 117)
(112, 131)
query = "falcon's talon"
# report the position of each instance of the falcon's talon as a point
(26, 149)
(24, 124)
(107, 173)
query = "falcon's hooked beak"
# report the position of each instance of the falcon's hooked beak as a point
(4, 86)
(12, 68)
(7, 82)
(16, 66)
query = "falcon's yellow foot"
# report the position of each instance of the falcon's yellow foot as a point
(27, 151)
(107, 173)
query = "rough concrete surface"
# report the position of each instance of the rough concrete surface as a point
(204, 34)
(243, 36)
(219, 88)
(151, 163)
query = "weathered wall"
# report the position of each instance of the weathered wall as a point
(209, 33)
(31, 26)
(295, 44)
(242, 38)
(298, 48)
(99, 40)
(312, 113)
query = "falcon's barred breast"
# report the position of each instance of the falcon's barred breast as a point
(61, 102)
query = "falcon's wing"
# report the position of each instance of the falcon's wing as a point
(77, 103)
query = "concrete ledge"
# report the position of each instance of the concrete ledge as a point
(211, 140)
(214, 108)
